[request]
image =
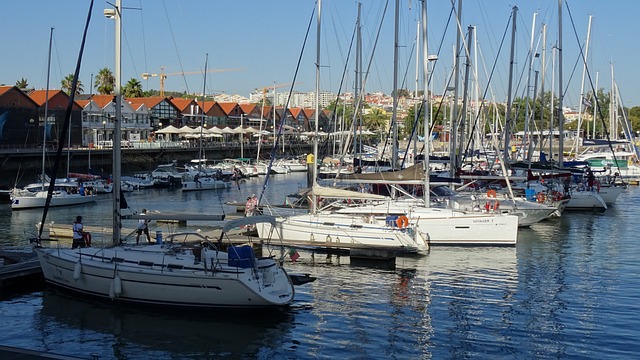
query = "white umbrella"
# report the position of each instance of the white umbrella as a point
(186, 130)
(215, 130)
(168, 130)
(228, 130)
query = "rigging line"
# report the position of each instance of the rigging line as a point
(67, 120)
(595, 96)
(364, 82)
(175, 46)
(486, 89)
(144, 40)
(343, 77)
(284, 111)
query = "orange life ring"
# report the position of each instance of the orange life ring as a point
(541, 197)
(492, 193)
(402, 221)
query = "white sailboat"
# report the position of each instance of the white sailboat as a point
(362, 231)
(170, 273)
(62, 194)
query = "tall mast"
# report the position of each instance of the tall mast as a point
(358, 81)
(560, 89)
(117, 126)
(425, 104)
(582, 95)
(454, 109)
(507, 126)
(46, 109)
(465, 91)
(543, 70)
(527, 136)
(394, 122)
(314, 202)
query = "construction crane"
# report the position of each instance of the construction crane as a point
(162, 75)
(266, 89)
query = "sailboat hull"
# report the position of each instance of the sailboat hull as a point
(163, 279)
(58, 199)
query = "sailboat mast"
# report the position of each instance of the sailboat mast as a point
(507, 123)
(202, 123)
(314, 201)
(453, 156)
(394, 122)
(425, 104)
(560, 89)
(46, 109)
(582, 95)
(117, 126)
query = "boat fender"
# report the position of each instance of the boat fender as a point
(402, 222)
(496, 206)
(77, 271)
(328, 239)
(312, 238)
(117, 286)
(112, 291)
(597, 185)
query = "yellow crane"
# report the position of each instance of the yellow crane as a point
(162, 75)
(265, 89)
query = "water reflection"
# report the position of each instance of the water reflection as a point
(67, 324)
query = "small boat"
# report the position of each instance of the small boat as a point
(62, 195)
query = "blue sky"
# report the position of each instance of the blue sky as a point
(265, 38)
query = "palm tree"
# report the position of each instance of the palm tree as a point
(105, 81)
(67, 82)
(22, 84)
(132, 89)
(376, 120)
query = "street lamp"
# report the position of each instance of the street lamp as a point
(104, 130)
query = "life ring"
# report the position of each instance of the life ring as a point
(557, 196)
(402, 221)
(541, 197)
(492, 193)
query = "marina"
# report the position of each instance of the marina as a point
(541, 298)
(488, 242)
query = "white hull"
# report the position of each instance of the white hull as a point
(610, 194)
(344, 229)
(154, 275)
(451, 227)
(205, 184)
(58, 199)
(582, 200)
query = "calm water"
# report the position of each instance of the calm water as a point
(569, 289)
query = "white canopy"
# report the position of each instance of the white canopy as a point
(168, 130)
(186, 130)
(228, 130)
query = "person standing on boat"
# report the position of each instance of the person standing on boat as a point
(78, 234)
(143, 227)
(249, 207)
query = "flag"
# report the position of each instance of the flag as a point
(293, 254)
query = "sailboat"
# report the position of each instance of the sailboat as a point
(64, 193)
(353, 230)
(186, 271)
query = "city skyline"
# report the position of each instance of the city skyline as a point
(266, 40)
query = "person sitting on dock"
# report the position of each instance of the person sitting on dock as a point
(78, 234)
(143, 227)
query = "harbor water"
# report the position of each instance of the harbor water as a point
(570, 289)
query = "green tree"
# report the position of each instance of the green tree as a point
(376, 120)
(132, 89)
(67, 82)
(105, 81)
(22, 84)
